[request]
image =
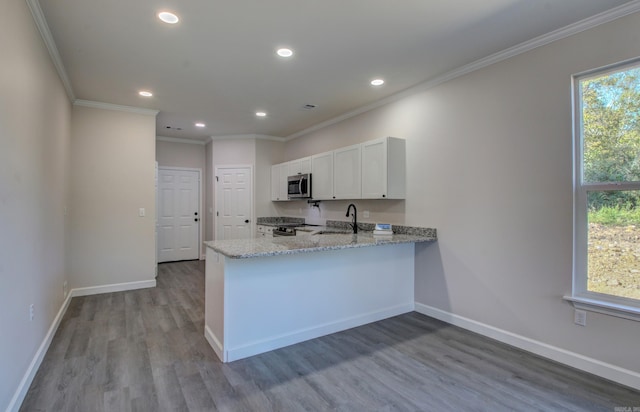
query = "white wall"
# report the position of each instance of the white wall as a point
(112, 163)
(227, 152)
(176, 154)
(35, 116)
(489, 158)
(191, 156)
(259, 153)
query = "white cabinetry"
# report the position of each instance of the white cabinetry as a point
(371, 170)
(279, 175)
(383, 168)
(264, 231)
(299, 166)
(347, 173)
(322, 176)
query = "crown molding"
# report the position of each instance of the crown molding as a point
(180, 140)
(45, 33)
(248, 136)
(575, 28)
(116, 107)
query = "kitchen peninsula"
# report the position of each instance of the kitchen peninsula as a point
(266, 293)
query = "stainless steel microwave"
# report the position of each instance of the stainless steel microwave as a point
(299, 186)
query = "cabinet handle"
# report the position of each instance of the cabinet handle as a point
(195, 220)
(384, 195)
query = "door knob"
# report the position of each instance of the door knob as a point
(246, 221)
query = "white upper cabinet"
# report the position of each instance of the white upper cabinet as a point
(371, 170)
(322, 176)
(384, 169)
(300, 166)
(279, 175)
(347, 173)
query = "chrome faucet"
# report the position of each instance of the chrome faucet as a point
(355, 217)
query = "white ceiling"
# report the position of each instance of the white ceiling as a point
(218, 64)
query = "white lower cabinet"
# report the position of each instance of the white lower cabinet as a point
(264, 231)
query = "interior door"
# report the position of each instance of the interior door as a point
(233, 202)
(178, 215)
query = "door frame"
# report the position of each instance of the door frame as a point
(215, 196)
(201, 206)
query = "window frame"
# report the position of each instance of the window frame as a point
(581, 297)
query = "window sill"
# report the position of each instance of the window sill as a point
(608, 308)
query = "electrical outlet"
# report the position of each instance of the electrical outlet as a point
(31, 312)
(580, 317)
(365, 214)
(64, 289)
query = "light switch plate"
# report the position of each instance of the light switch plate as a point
(141, 212)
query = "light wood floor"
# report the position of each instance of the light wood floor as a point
(144, 350)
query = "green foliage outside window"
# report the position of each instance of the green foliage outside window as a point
(611, 136)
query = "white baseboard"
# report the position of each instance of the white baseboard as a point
(276, 342)
(25, 383)
(116, 287)
(214, 342)
(20, 393)
(612, 372)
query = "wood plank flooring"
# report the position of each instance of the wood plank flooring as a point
(144, 350)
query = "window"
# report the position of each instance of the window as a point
(607, 191)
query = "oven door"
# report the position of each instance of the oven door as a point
(281, 231)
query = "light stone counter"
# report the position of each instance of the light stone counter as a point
(260, 247)
(266, 293)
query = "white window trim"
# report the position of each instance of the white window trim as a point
(580, 297)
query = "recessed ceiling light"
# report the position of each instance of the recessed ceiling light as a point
(377, 82)
(284, 52)
(261, 114)
(167, 17)
(145, 93)
(200, 125)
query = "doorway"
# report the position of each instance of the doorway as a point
(234, 202)
(179, 215)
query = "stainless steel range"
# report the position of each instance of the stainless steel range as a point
(284, 231)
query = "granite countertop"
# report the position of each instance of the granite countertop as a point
(259, 247)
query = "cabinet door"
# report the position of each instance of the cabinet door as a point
(300, 166)
(374, 169)
(322, 176)
(275, 182)
(347, 173)
(294, 168)
(279, 175)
